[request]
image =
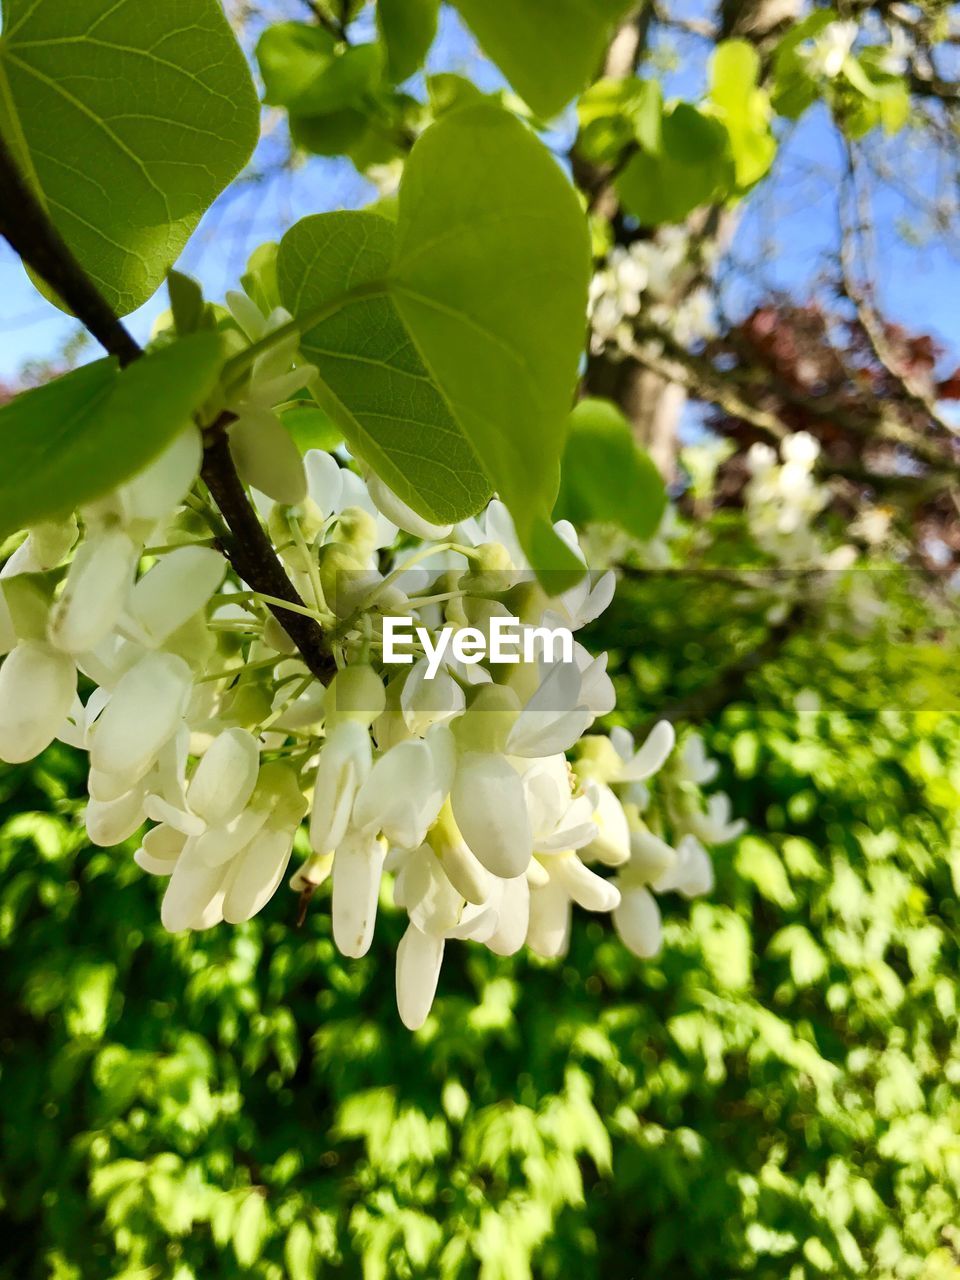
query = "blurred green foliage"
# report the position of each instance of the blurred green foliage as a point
(776, 1096)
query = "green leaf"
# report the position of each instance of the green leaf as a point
(547, 49)
(408, 28)
(694, 167)
(71, 440)
(445, 386)
(615, 113)
(250, 1229)
(744, 108)
(305, 70)
(311, 427)
(129, 119)
(605, 476)
(298, 1252)
(187, 306)
(795, 89)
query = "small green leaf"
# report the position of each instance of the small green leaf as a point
(305, 70)
(311, 427)
(298, 1252)
(71, 440)
(547, 49)
(443, 385)
(606, 477)
(449, 91)
(187, 306)
(408, 28)
(615, 113)
(744, 108)
(250, 1229)
(129, 119)
(695, 167)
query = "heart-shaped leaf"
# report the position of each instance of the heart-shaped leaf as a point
(445, 385)
(129, 119)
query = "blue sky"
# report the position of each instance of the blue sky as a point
(786, 233)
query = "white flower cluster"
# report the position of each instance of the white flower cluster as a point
(126, 636)
(645, 275)
(783, 500)
(655, 838)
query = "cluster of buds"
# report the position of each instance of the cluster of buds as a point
(441, 772)
(651, 275)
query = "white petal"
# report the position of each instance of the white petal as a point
(650, 857)
(424, 891)
(611, 845)
(491, 812)
(159, 810)
(177, 587)
(113, 821)
(160, 850)
(95, 592)
(465, 872)
(225, 777)
(357, 868)
(514, 918)
(194, 896)
(160, 487)
(419, 957)
(223, 843)
(345, 762)
(597, 693)
(324, 480)
(425, 702)
(549, 930)
(637, 921)
(267, 456)
(141, 717)
(585, 887)
(406, 788)
(37, 688)
(652, 756)
(256, 875)
(404, 517)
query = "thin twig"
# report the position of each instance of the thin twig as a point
(24, 223)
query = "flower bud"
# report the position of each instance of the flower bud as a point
(355, 693)
(224, 780)
(98, 584)
(37, 688)
(266, 456)
(177, 587)
(141, 716)
(419, 957)
(357, 869)
(637, 921)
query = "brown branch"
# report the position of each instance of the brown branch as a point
(251, 553)
(25, 225)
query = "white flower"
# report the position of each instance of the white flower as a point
(637, 920)
(37, 688)
(345, 763)
(715, 826)
(490, 809)
(694, 763)
(831, 48)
